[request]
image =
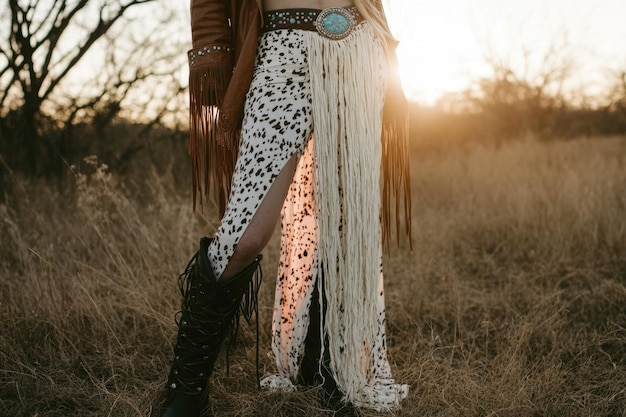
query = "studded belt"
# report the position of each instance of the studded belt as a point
(333, 23)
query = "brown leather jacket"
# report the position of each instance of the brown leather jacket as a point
(221, 63)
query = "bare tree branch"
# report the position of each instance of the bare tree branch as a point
(55, 33)
(49, 40)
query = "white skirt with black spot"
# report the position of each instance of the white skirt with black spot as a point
(321, 100)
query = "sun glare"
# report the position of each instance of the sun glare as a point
(429, 72)
(435, 53)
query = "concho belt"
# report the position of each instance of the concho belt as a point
(333, 23)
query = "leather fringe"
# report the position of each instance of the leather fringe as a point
(396, 193)
(212, 156)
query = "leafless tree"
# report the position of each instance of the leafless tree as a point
(518, 99)
(617, 95)
(70, 61)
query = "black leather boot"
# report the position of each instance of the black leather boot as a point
(210, 310)
(314, 373)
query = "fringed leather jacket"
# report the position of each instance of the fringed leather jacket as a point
(221, 63)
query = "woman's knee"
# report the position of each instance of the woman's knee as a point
(250, 245)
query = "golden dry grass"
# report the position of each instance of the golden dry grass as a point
(512, 304)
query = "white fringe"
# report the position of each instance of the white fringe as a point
(331, 219)
(347, 83)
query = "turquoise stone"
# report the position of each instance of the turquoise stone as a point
(336, 23)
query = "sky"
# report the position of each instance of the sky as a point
(443, 43)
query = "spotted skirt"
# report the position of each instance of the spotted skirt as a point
(321, 100)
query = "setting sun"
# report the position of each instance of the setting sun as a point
(434, 59)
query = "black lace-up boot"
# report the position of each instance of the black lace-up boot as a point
(210, 311)
(314, 373)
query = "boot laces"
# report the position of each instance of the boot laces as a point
(197, 346)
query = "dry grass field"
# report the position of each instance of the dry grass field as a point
(513, 302)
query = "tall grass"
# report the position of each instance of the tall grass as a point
(513, 302)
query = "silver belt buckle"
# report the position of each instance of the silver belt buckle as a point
(335, 23)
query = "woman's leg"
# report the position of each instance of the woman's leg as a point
(263, 223)
(276, 127)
